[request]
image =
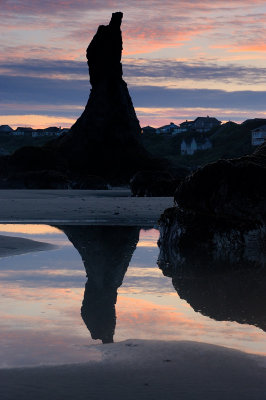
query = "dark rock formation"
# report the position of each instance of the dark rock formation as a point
(234, 187)
(153, 183)
(221, 211)
(105, 140)
(221, 286)
(198, 235)
(213, 244)
(106, 253)
(109, 117)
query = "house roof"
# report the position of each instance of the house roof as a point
(24, 129)
(171, 125)
(263, 127)
(5, 128)
(186, 123)
(52, 129)
(148, 127)
(206, 119)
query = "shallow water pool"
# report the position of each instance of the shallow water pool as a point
(102, 284)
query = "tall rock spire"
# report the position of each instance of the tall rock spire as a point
(109, 118)
(106, 139)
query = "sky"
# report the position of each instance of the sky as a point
(181, 59)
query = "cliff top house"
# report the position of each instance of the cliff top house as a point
(5, 129)
(205, 124)
(169, 129)
(258, 135)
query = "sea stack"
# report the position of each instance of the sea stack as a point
(109, 116)
(106, 137)
(103, 144)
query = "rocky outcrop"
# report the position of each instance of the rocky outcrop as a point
(105, 140)
(106, 252)
(188, 235)
(153, 183)
(213, 243)
(234, 187)
(221, 211)
(109, 117)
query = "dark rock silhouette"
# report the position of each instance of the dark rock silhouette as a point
(213, 244)
(153, 183)
(109, 116)
(221, 286)
(234, 187)
(106, 252)
(221, 209)
(106, 140)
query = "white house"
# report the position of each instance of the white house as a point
(189, 146)
(258, 135)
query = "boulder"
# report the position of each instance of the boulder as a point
(153, 183)
(234, 187)
(220, 216)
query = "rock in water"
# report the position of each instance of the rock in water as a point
(106, 137)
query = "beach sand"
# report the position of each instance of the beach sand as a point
(11, 246)
(93, 207)
(150, 370)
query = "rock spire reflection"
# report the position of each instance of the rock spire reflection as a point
(106, 252)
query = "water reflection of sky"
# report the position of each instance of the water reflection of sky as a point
(41, 295)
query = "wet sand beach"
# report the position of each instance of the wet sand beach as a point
(138, 369)
(92, 207)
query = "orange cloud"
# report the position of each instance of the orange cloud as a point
(250, 48)
(235, 48)
(155, 36)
